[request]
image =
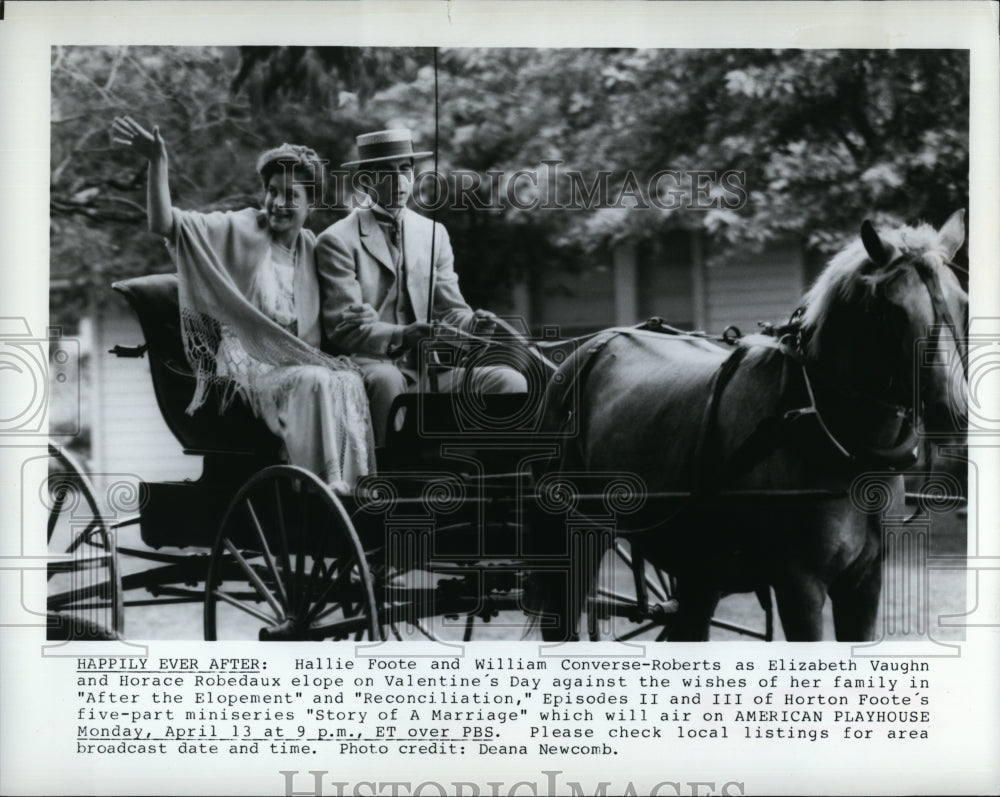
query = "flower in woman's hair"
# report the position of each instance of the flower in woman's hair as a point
(304, 163)
(288, 152)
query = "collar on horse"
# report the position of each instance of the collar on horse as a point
(797, 405)
(774, 431)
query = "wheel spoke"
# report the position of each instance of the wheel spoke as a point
(282, 531)
(340, 627)
(61, 600)
(607, 593)
(56, 511)
(344, 605)
(424, 630)
(635, 632)
(85, 535)
(79, 565)
(637, 607)
(300, 559)
(268, 557)
(88, 585)
(662, 577)
(96, 536)
(335, 582)
(315, 574)
(622, 554)
(287, 527)
(653, 587)
(255, 579)
(243, 607)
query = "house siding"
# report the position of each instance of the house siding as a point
(765, 287)
(129, 434)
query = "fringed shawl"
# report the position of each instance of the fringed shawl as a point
(217, 257)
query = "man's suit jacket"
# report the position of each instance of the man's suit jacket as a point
(354, 265)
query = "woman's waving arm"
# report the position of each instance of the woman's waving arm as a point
(130, 133)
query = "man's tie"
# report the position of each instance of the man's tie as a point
(396, 231)
(404, 309)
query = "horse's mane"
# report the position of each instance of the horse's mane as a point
(851, 278)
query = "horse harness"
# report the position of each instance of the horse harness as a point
(794, 405)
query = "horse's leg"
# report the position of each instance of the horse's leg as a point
(855, 596)
(554, 620)
(547, 591)
(566, 593)
(696, 605)
(800, 599)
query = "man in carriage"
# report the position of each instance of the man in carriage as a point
(401, 263)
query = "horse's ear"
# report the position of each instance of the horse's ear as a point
(952, 234)
(879, 251)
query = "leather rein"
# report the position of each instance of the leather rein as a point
(787, 339)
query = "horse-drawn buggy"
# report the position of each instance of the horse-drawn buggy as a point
(440, 530)
(728, 464)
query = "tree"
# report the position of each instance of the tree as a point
(822, 139)
(97, 190)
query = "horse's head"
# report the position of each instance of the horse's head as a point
(886, 325)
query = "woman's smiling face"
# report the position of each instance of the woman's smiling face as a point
(286, 206)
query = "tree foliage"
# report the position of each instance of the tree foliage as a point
(825, 138)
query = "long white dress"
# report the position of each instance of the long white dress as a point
(311, 408)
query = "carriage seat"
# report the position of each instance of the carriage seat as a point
(500, 428)
(154, 300)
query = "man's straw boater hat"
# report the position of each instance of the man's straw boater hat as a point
(385, 145)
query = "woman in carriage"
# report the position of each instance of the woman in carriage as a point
(249, 299)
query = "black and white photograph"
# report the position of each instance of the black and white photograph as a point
(496, 366)
(534, 182)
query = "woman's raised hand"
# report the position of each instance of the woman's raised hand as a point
(128, 132)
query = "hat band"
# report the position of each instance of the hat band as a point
(386, 149)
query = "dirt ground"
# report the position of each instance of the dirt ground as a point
(942, 584)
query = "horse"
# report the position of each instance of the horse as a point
(835, 393)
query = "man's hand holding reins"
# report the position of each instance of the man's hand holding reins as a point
(484, 323)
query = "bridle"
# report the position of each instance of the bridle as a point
(943, 317)
(790, 341)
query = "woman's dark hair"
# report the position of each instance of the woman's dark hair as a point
(306, 166)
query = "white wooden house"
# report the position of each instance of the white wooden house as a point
(128, 434)
(672, 281)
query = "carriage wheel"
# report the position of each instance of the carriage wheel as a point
(649, 604)
(652, 603)
(287, 564)
(85, 598)
(402, 617)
